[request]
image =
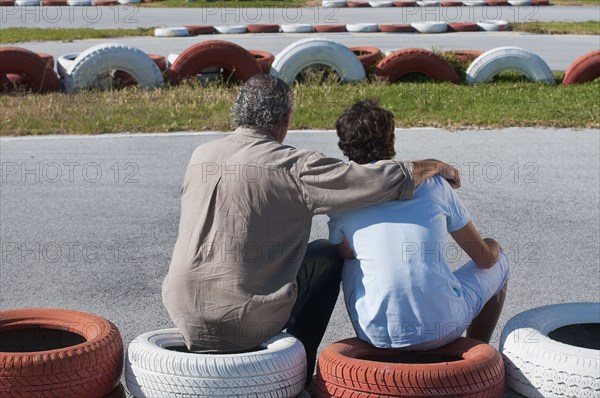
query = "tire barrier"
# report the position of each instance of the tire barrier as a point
(362, 27)
(397, 28)
(262, 28)
(113, 66)
(430, 27)
(181, 31)
(213, 53)
(329, 28)
(36, 73)
(430, 3)
(552, 351)
(584, 69)
(93, 68)
(463, 27)
(297, 28)
(463, 368)
(231, 29)
(500, 59)
(416, 60)
(296, 57)
(200, 30)
(493, 26)
(58, 353)
(158, 364)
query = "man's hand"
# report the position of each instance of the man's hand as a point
(425, 169)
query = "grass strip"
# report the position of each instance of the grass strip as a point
(575, 2)
(20, 35)
(558, 28)
(190, 107)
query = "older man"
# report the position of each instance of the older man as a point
(242, 269)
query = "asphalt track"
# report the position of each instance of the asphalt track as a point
(134, 16)
(89, 223)
(558, 51)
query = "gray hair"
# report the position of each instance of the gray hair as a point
(263, 102)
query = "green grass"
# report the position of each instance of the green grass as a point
(18, 35)
(507, 102)
(575, 2)
(558, 28)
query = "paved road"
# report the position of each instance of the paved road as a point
(545, 46)
(89, 223)
(133, 16)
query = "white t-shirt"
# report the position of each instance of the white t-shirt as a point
(400, 290)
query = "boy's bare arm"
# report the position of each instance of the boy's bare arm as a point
(425, 169)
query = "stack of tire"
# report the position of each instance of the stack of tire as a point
(57, 353)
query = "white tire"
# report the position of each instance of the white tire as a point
(231, 30)
(428, 3)
(379, 3)
(129, 1)
(171, 58)
(474, 3)
(519, 3)
(296, 28)
(316, 51)
(64, 62)
(179, 31)
(500, 59)
(103, 59)
(151, 370)
(362, 27)
(27, 3)
(538, 366)
(430, 27)
(493, 26)
(79, 3)
(334, 3)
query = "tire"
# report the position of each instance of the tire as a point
(493, 26)
(463, 27)
(64, 62)
(416, 60)
(537, 365)
(540, 2)
(63, 354)
(194, 30)
(428, 3)
(329, 28)
(181, 31)
(27, 3)
(54, 3)
(333, 3)
(464, 55)
(451, 3)
(519, 3)
(213, 53)
(297, 28)
(430, 27)
(357, 4)
(106, 3)
(48, 59)
(404, 3)
(474, 3)
(264, 58)
(277, 370)
(122, 79)
(362, 27)
(397, 28)
(7, 3)
(585, 69)
(496, 3)
(160, 61)
(368, 56)
(102, 59)
(476, 370)
(40, 77)
(314, 51)
(81, 3)
(231, 29)
(262, 28)
(500, 59)
(380, 3)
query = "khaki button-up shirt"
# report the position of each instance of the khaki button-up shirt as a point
(247, 204)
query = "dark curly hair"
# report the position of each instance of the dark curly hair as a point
(366, 132)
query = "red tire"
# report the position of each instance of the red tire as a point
(404, 3)
(329, 28)
(585, 69)
(264, 58)
(357, 4)
(7, 3)
(54, 3)
(397, 28)
(200, 30)
(368, 56)
(106, 3)
(540, 2)
(122, 79)
(40, 77)
(160, 61)
(464, 55)
(451, 3)
(262, 28)
(48, 59)
(497, 2)
(58, 353)
(463, 368)
(416, 60)
(213, 53)
(463, 27)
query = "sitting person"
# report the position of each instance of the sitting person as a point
(398, 287)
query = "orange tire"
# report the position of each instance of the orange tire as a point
(540, 2)
(329, 28)
(368, 56)
(49, 59)
(58, 353)
(39, 75)
(353, 368)
(213, 53)
(357, 4)
(122, 79)
(451, 3)
(397, 28)
(262, 28)
(497, 2)
(7, 3)
(265, 59)
(196, 30)
(585, 69)
(416, 60)
(404, 3)
(463, 27)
